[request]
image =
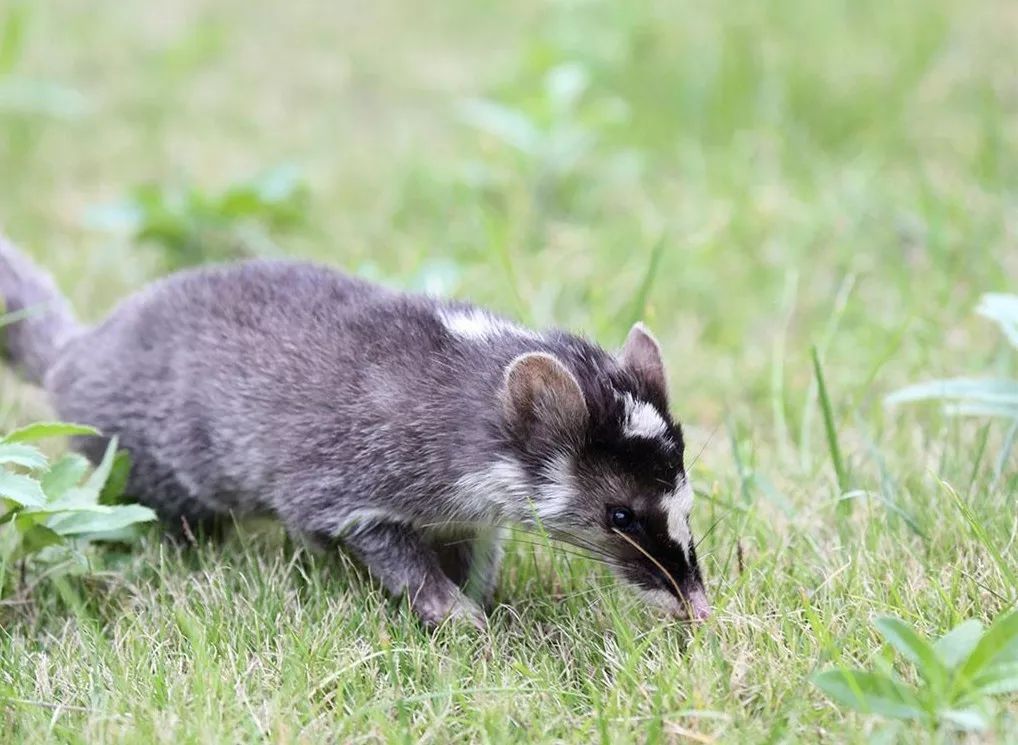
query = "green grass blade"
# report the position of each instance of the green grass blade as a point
(638, 308)
(830, 427)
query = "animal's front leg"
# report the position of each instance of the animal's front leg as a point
(472, 560)
(399, 557)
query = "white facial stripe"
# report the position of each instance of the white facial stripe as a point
(500, 488)
(642, 419)
(476, 324)
(559, 493)
(678, 505)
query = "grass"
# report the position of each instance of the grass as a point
(757, 179)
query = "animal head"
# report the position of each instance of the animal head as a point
(605, 462)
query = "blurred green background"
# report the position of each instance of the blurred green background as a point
(751, 179)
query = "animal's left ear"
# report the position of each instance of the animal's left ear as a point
(641, 355)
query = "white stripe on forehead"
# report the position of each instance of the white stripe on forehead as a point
(678, 504)
(642, 419)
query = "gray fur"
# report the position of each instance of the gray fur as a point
(48, 322)
(350, 412)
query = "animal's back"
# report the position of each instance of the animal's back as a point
(201, 374)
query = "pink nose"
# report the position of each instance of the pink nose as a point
(699, 608)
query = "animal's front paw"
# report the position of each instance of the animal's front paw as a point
(437, 607)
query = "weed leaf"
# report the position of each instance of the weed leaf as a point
(101, 520)
(999, 679)
(915, 649)
(21, 455)
(21, 490)
(871, 693)
(955, 646)
(46, 430)
(997, 645)
(113, 490)
(64, 475)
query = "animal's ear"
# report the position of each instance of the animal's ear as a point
(641, 355)
(539, 391)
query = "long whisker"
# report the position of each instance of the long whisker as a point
(603, 559)
(638, 547)
(551, 533)
(607, 561)
(548, 534)
(579, 542)
(565, 536)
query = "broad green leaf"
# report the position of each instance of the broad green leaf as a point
(998, 679)
(35, 538)
(914, 648)
(87, 495)
(22, 490)
(100, 521)
(971, 720)
(21, 455)
(25, 519)
(96, 482)
(995, 646)
(127, 534)
(64, 475)
(45, 430)
(871, 693)
(113, 490)
(956, 645)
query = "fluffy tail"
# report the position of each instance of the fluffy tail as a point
(42, 321)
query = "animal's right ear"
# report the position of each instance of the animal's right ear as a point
(539, 391)
(641, 355)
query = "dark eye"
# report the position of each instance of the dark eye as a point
(621, 517)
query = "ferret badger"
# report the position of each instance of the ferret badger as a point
(408, 429)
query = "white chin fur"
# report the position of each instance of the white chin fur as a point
(660, 599)
(695, 607)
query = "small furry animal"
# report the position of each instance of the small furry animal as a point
(410, 430)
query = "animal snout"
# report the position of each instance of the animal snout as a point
(698, 608)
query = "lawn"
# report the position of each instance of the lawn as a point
(754, 180)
